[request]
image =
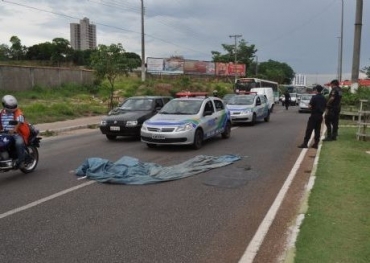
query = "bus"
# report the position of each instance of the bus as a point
(246, 84)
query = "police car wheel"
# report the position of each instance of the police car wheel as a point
(198, 139)
(227, 132)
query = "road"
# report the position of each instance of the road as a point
(209, 217)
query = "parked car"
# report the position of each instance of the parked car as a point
(248, 108)
(269, 93)
(304, 102)
(127, 118)
(187, 121)
(227, 97)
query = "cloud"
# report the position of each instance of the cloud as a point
(303, 34)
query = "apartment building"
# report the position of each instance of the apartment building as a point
(83, 35)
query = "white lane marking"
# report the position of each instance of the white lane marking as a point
(263, 228)
(43, 200)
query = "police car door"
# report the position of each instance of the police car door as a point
(257, 107)
(210, 119)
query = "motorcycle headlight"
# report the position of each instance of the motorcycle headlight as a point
(185, 127)
(131, 123)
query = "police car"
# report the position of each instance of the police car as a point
(248, 108)
(187, 120)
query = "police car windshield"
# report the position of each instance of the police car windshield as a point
(242, 100)
(181, 107)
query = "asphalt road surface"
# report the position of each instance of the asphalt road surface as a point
(50, 216)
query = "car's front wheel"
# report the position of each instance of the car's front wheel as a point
(267, 118)
(198, 139)
(254, 119)
(227, 132)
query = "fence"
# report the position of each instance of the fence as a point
(21, 78)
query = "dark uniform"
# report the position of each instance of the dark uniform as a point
(287, 99)
(317, 105)
(333, 108)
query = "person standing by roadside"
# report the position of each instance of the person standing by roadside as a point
(333, 107)
(317, 105)
(287, 99)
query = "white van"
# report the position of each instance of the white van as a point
(269, 94)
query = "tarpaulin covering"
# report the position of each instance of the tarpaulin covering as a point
(129, 170)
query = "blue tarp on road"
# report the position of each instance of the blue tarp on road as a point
(129, 170)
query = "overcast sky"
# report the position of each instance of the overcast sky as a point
(302, 33)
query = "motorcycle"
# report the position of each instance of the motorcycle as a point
(8, 153)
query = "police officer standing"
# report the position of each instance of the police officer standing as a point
(332, 111)
(317, 105)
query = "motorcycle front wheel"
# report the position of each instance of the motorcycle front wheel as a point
(31, 159)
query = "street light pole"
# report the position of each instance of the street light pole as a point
(357, 46)
(235, 58)
(142, 43)
(341, 46)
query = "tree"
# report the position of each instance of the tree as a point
(367, 71)
(134, 60)
(276, 71)
(4, 52)
(42, 51)
(17, 51)
(62, 51)
(110, 62)
(245, 54)
(81, 57)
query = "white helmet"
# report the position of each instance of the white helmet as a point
(10, 102)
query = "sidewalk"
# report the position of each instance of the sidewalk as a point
(69, 125)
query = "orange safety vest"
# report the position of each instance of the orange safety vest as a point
(23, 128)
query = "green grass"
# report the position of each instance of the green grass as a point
(42, 104)
(337, 224)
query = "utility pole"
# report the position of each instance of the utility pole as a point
(235, 58)
(142, 43)
(357, 46)
(341, 46)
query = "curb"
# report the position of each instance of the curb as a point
(292, 238)
(70, 128)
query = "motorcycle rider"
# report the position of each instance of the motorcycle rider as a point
(19, 131)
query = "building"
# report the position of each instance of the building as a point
(83, 35)
(300, 80)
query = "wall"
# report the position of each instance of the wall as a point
(20, 78)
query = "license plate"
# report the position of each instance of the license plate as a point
(158, 137)
(114, 128)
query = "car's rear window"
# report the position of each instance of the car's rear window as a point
(137, 104)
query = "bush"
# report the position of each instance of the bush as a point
(353, 99)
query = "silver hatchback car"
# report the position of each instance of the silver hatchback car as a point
(187, 121)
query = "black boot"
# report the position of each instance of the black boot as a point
(328, 138)
(303, 145)
(315, 145)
